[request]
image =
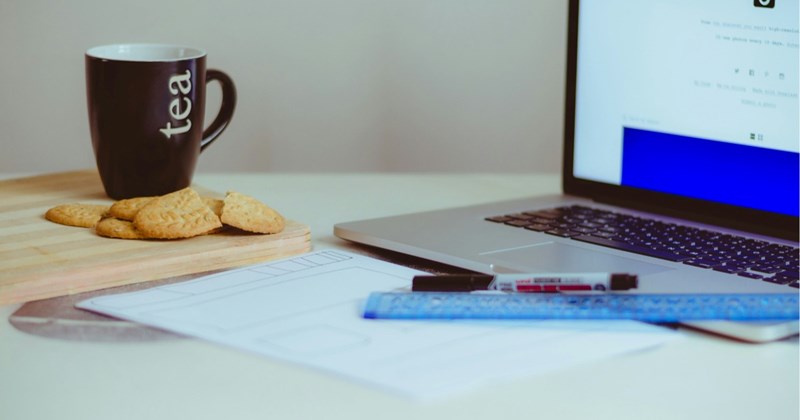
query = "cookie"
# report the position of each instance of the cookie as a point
(76, 214)
(215, 204)
(247, 213)
(181, 214)
(127, 209)
(111, 227)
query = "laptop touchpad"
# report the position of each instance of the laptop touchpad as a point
(555, 257)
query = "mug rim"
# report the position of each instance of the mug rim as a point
(145, 52)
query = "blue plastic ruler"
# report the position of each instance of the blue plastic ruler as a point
(651, 308)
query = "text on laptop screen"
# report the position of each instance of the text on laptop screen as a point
(693, 98)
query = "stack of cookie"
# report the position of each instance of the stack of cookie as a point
(181, 214)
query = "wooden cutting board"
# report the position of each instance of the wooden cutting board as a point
(40, 259)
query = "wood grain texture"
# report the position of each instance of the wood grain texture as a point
(40, 259)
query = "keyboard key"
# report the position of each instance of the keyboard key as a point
(562, 233)
(591, 225)
(701, 263)
(538, 227)
(779, 280)
(792, 274)
(541, 220)
(518, 223)
(728, 269)
(582, 230)
(763, 268)
(545, 214)
(520, 216)
(605, 235)
(750, 275)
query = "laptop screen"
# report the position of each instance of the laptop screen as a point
(695, 99)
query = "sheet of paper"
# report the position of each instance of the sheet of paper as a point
(307, 309)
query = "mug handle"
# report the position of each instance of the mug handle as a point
(225, 110)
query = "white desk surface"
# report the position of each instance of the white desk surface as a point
(701, 376)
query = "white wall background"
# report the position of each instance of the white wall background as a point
(324, 85)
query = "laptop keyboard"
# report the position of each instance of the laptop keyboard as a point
(735, 255)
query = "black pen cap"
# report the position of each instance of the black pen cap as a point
(624, 281)
(448, 283)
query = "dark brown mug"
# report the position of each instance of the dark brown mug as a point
(146, 106)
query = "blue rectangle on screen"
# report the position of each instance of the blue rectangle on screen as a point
(728, 173)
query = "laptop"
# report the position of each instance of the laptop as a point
(681, 161)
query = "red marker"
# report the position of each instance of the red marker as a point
(526, 283)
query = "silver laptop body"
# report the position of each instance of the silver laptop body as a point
(644, 91)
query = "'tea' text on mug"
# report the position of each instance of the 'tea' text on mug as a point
(181, 106)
